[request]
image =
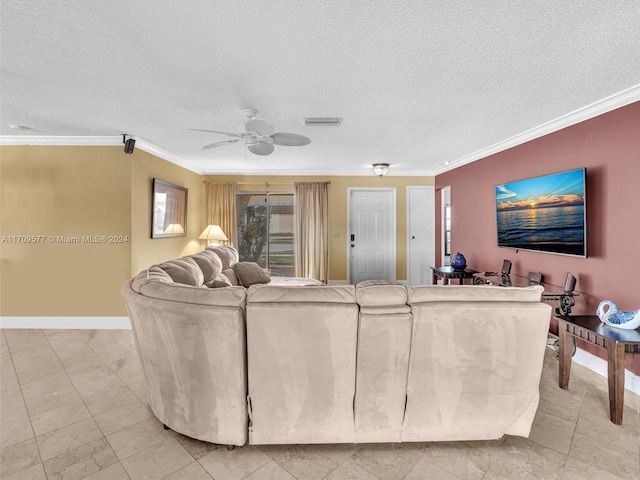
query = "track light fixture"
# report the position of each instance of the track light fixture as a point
(129, 144)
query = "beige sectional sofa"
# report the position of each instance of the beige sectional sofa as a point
(293, 362)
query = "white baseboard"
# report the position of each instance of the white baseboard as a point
(60, 323)
(599, 365)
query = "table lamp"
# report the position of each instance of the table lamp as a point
(214, 234)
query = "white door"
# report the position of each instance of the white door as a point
(372, 234)
(420, 234)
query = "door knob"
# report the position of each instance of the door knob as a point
(352, 245)
(413, 237)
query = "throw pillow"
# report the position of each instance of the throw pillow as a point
(250, 273)
(231, 275)
(218, 282)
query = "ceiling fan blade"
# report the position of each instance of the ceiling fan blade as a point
(217, 144)
(290, 139)
(229, 134)
(261, 127)
(261, 148)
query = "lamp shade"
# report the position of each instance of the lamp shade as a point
(174, 228)
(213, 232)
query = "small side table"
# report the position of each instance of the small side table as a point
(617, 341)
(447, 273)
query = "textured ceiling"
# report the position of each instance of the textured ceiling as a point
(417, 83)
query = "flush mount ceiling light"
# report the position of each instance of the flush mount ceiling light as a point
(380, 169)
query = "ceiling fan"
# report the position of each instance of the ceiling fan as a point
(260, 136)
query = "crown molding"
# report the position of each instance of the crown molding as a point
(367, 172)
(110, 141)
(612, 102)
(93, 141)
(48, 140)
(607, 104)
(163, 154)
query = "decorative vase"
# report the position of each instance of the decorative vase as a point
(458, 262)
(608, 312)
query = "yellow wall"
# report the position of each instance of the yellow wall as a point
(338, 209)
(145, 250)
(58, 194)
(50, 192)
(78, 192)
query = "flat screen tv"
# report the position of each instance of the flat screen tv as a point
(545, 214)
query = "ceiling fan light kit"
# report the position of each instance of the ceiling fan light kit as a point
(380, 169)
(259, 136)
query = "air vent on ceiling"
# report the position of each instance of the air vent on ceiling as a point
(322, 121)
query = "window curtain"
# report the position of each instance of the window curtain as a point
(310, 225)
(221, 208)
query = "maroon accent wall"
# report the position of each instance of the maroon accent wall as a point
(609, 147)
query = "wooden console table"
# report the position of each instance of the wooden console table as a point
(617, 341)
(447, 273)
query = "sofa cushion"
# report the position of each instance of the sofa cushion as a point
(176, 292)
(228, 255)
(184, 270)
(250, 273)
(294, 281)
(219, 282)
(381, 295)
(230, 273)
(152, 273)
(368, 283)
(473, 293)
(308, 294)
(385, 310)
(209, 263)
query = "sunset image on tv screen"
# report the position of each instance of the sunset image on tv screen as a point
(543, 213)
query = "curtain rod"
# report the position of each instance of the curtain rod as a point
(275, 183)
(261, 183)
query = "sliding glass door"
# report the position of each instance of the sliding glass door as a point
(265, 231)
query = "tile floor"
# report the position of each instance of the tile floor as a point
(73, 406)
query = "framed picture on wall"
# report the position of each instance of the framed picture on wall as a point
(168, 210)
